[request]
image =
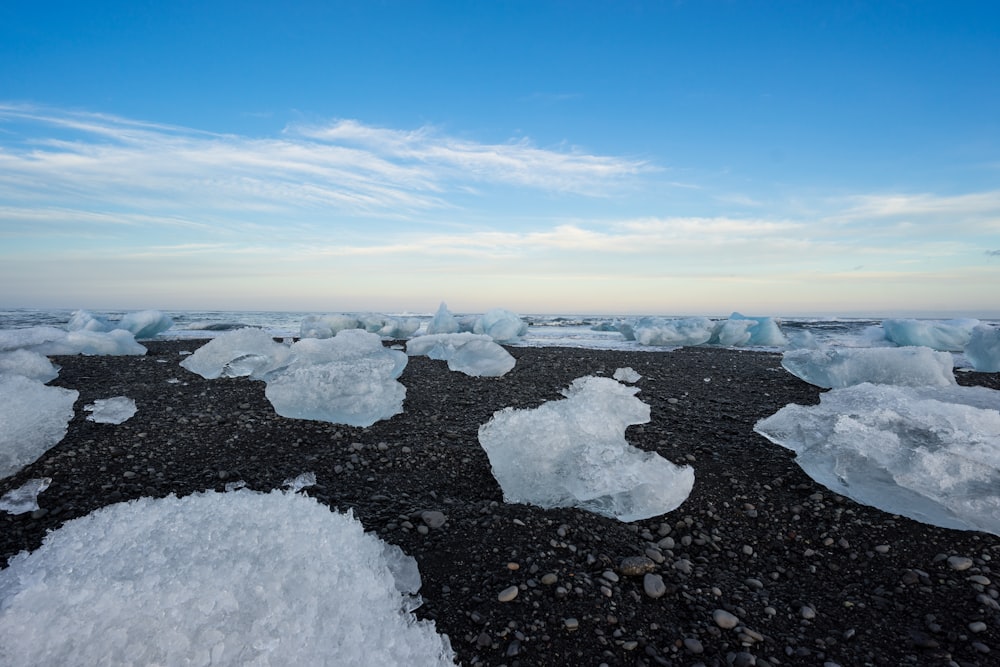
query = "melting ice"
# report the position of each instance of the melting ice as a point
(842, 367)
(472, 354)
(34, 418)
(111, 410)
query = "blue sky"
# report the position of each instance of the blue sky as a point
(776, 158)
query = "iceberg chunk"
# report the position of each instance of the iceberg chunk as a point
(983, 349)
(931, 454)
(29, 364)
(33, 418)
(326, 326)
(671, 332)
(842, 367)
(114, 343)
(111, 410)
(443, 322)
(472, 354)
(239, 353)
(946, 335)
(501, 325)
(573, 453)
(29, 337)
(24, 498)
(241, 578)
(627, 374)
(145, 323)
(348, 379)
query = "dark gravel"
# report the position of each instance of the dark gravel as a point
(807, 577)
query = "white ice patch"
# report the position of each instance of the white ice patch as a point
(237, 578)
(573, 453)
(50, 340)
(348, 379)
(114, 410)
(843, 367)
(239, 353)
(33, 418)
(501, 325)
(472, 354)
(627, 374)
(983, 349)
(946, 335)
(24, 498)
(931, 454)
(28, 364)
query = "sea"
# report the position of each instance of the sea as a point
(558, 330)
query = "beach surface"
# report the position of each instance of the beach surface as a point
(760, 565)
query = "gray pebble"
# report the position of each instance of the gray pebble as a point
(959, 563)
(724, 619)
(433, 518)
(653, 585)
(549, 579)
(977, 626)
(571, 623)
(507, 594)
(634, 566)
(693, 645)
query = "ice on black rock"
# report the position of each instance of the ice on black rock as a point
(239, 353)
(983, 349)
(843, 367)
(573, 453)
(111, 410)
(34, 417)
(24, 498)
(472, 354)
(29, 364)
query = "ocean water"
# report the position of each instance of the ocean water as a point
(579, 331)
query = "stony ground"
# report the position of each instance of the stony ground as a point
(759, 566)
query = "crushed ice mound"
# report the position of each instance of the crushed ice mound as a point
(348, 379)
(573, 453)
(29, 364)
(472, 354)
(239, 353)
(946, 335)
(24, 498)
(239, 578)
(443, 321)
(116, 410)
(33, 418)
(501, 325)
(736, 331)
(929, 453)
(843, 367)
(983, 349)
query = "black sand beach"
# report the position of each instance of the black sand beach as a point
(804, 576)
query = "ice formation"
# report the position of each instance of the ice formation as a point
(472, 354)
(111, 410)
(24, 498)
(239, 353)
(738, 330)
(29, 337)
(239, 578)
(946, 335)
(928, 453)
(443, 322)
(842, 367)
(573, 453)
(328, 326)
(983, 349)
(141, 324)
(348, 379)
(29, 364)
(33, 418)
(501, 325)
(627, 374)
(50, 340)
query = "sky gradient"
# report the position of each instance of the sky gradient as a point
(786, 158)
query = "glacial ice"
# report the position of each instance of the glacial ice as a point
(348, 379)
(141, 324)
(443, 322)
(326, 326)
(501, 325)
(945, 335)
(573, 453)
(118, 342)
(627, 374)
(29, 364)
(239, 353)
(736, 331)
(24, 498)
(983, 349)
(84, 320)
(472, 354)
(843, 367)
(33, 418)
(29, 337)
(240, 578)
(114, 410)
(929, 453)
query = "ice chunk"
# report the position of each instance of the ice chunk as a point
(627, 374)
(326, 326)
(443, 322)
(573, 453)
(24, 498)
(29, 364)
(113, 343)
(240, 578)
(348, 379)
(111, 410)
(928, 453)
(472, 354)
(501, 325)
(29, 338)
(842, 367)
(405, 573)
(983, 349)
(302, 481)
(33, 418)
(83, 320)
(239, 353)
(763, 331)
(670, 332)
(389, 327)
(145, 323)
(947, 335)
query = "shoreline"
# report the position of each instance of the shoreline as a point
(810, 576)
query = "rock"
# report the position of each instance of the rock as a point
(959, 563)
(636, 566)
(724, 619)
(507, 594)
(977, 626)
(549, 579)
(433, 518)
(571, 623)
(653, 585)
(693, 645)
